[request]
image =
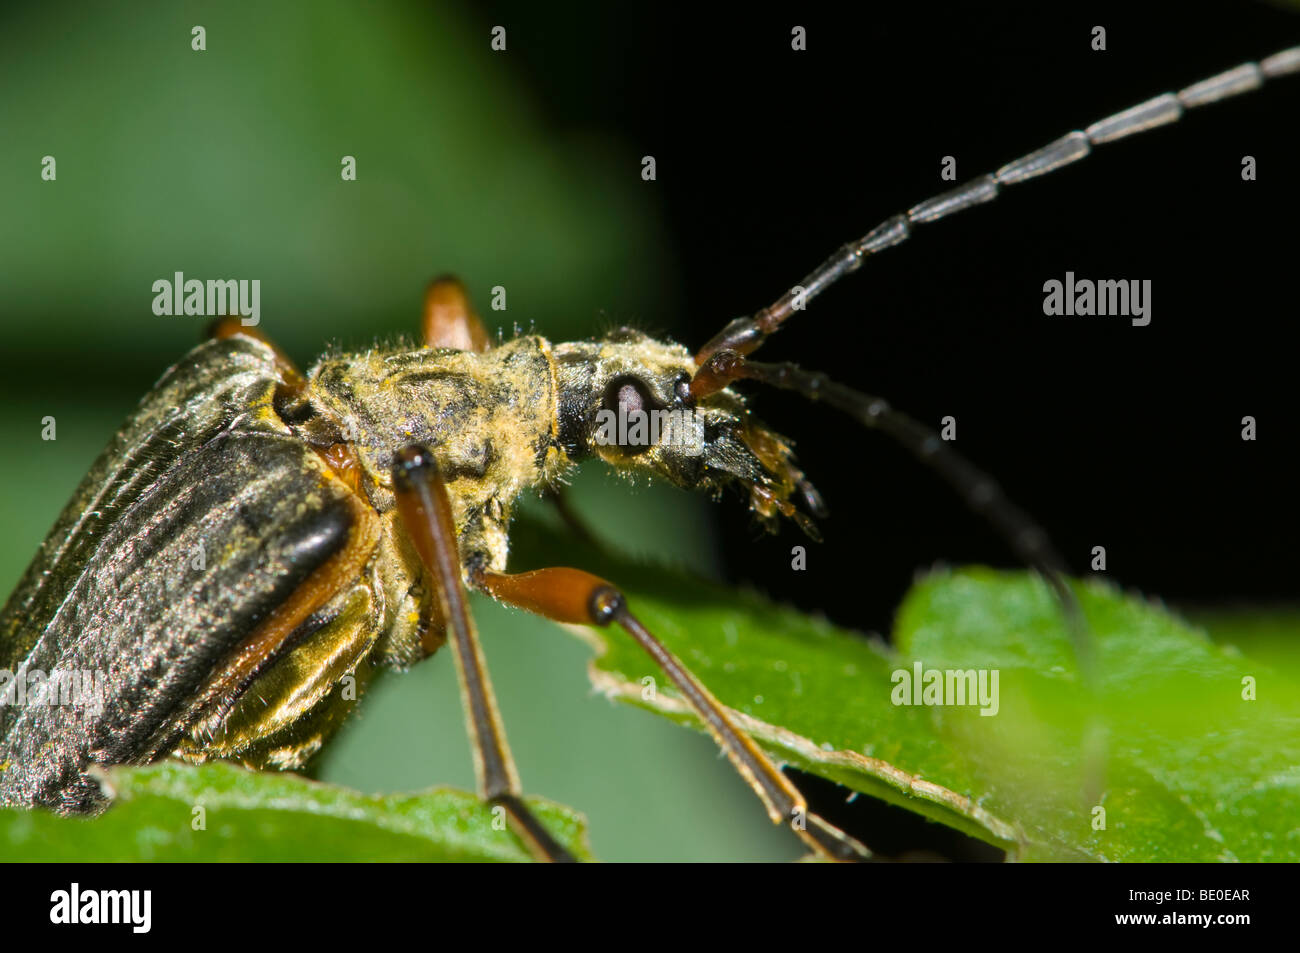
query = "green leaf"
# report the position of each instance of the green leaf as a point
(1270, 635)
(1192, 771)
(1196, 771)
(264, 816)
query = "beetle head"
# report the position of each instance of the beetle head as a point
(626, 399)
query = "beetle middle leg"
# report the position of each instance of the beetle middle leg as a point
(578, 598)
(449, 319)
(426, 513)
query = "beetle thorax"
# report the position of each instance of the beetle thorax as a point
(490, 419)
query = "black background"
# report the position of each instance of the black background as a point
(1110, 434)
(311, 905)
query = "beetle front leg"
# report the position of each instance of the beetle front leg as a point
(426, 513)
(578, 598)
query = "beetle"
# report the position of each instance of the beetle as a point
(331, 534)
(254, 533)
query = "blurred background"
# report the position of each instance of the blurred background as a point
(522, 169)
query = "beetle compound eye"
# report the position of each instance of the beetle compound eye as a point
(627, 395)
(624, 420)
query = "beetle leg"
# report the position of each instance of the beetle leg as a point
(449, 319)
(557, 497)
(426, 513)
(578, 598)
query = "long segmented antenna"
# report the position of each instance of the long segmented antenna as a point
(722, 360)
(745, 335)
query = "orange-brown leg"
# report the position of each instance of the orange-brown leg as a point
(426, 513)
(449, 319)
(579, 598)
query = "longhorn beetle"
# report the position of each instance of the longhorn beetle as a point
(343, 513)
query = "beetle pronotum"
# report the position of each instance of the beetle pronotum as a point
(334, 534)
